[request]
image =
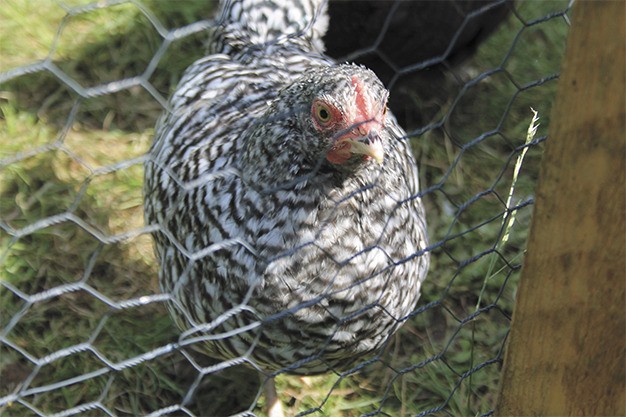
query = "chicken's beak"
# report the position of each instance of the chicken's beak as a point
(369, 145)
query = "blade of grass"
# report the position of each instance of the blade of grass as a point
(508, 219)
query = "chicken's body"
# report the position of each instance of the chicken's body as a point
(280, 237)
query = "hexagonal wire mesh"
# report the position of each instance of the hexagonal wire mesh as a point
(84, 327)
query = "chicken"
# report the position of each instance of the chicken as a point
(290, 229)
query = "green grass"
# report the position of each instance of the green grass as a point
(53, 167)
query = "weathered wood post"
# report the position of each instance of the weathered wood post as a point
(565, 353)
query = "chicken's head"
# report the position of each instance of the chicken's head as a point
(349, 116)
(333, 118)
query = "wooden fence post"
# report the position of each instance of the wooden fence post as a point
(565, 354)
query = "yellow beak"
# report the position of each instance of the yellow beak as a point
(369, 146)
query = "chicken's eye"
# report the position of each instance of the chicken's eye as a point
(322, 113)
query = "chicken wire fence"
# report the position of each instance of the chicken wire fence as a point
(84, 327)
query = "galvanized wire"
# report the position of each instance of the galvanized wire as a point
(471, 261)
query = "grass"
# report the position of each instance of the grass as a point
(64, 158)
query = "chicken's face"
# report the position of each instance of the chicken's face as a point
(349, 119)
(331, 119)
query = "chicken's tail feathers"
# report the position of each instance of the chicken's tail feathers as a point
(258, 23)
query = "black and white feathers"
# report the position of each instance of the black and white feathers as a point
(291, 231)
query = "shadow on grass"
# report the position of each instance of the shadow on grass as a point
(49, 264)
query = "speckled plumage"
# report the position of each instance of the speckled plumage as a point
(270, 251)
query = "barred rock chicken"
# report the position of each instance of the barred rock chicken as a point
(291, 231)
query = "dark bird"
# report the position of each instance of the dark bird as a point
(416, 48)
(289, 225)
